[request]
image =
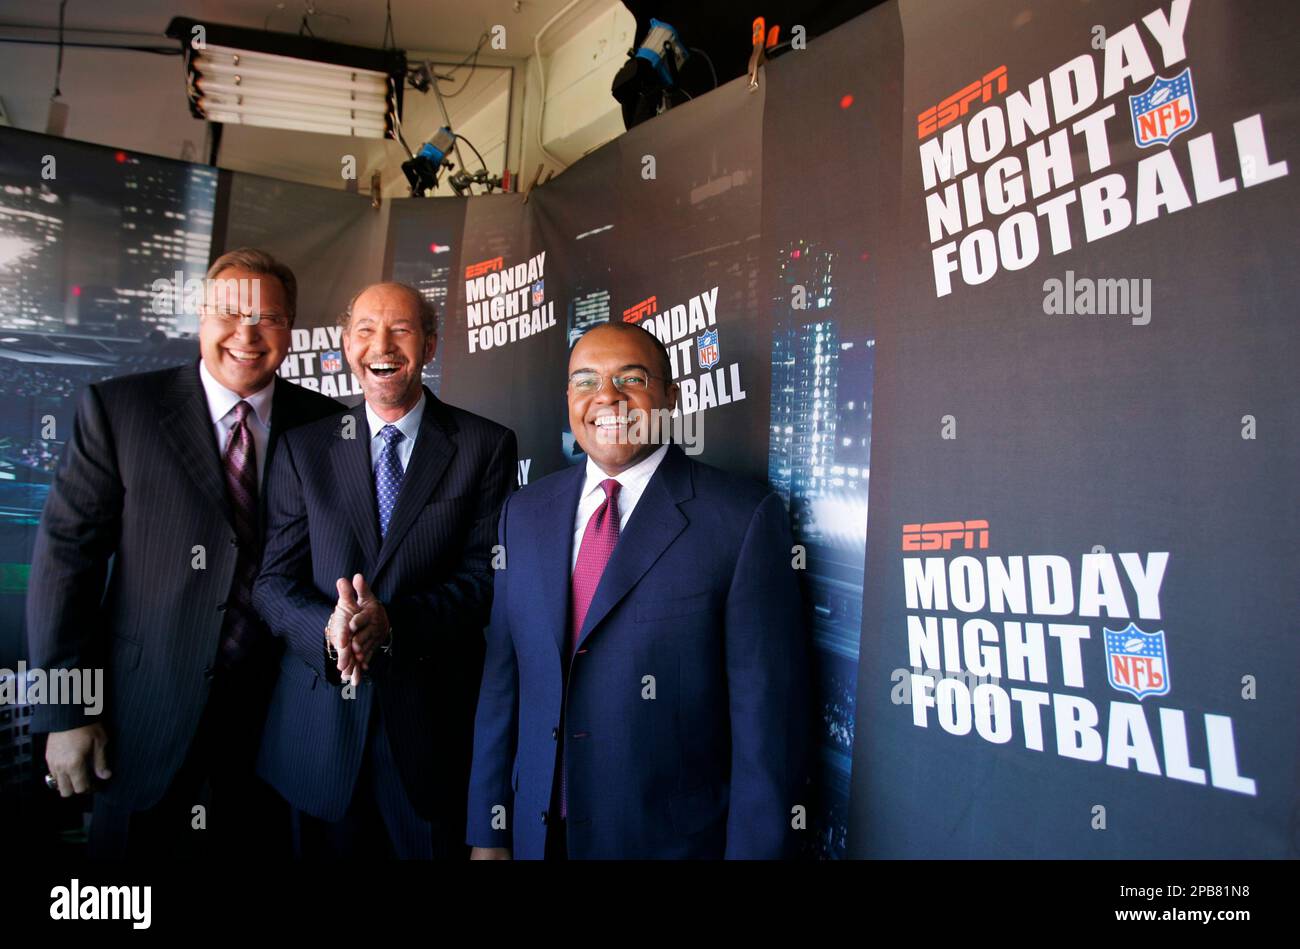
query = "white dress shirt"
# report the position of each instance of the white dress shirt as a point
(632, 484)
(408, 425)
(221, 405)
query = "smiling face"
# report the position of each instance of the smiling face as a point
(386, 349)
(243, 357)
(600, 420)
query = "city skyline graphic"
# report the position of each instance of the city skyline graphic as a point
(819, 461)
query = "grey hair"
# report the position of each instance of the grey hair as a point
(427, 312)
(260, 262)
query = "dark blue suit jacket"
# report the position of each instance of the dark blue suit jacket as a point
(684, 719)
(433, 573)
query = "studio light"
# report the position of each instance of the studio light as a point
(239, 76)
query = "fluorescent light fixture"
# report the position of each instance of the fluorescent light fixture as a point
(239, 76)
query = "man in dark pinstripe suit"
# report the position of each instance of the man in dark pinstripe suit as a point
(378, 575)
(144, 563)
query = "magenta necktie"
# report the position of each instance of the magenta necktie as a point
(598, 543)
(241, 628)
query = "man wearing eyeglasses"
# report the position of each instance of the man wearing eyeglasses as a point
(144, 566)
(378, 575)
(644, 690)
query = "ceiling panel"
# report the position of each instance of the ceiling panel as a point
(419, 24)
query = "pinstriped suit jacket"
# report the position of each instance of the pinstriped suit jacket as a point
(433, 573)
(140, 489)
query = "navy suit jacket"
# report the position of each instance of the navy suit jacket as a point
(134, 562)
(683, 718)
(432, 572)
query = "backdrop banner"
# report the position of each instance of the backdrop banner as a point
(1078, 633)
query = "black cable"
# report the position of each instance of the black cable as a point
(473, 149)
(696, 49)
(452, 95)
(389, 32)
(58, 70)
(472, 59)
(481, 40)
(160, 50)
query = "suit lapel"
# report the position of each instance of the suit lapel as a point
(553, 535)
(351, 460)
(187, 428)
(283, 417)
(430, 457)
(655, 523)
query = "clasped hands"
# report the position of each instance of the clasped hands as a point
(358, 624)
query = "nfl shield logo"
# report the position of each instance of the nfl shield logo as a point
(1136, 662)
(539, 293)
(1164, 111)
(331, 361)
(707, 347)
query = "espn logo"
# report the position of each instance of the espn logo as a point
(958, 104)
(646, 307)
(487, 266)
(973, 535)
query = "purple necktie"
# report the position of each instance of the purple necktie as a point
(598, 543)
(241, 628)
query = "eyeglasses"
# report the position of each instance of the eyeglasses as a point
(589, 382)
(229, 317)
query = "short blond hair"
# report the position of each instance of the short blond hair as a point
(260, 262)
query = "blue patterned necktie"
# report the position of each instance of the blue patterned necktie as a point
(388, 476)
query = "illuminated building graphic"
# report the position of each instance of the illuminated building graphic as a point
(819, 461)
(82, 251)
(84, 236)
(422, 259)
(590, 305)
(166, 226)
(587, 309)
(31, 255)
